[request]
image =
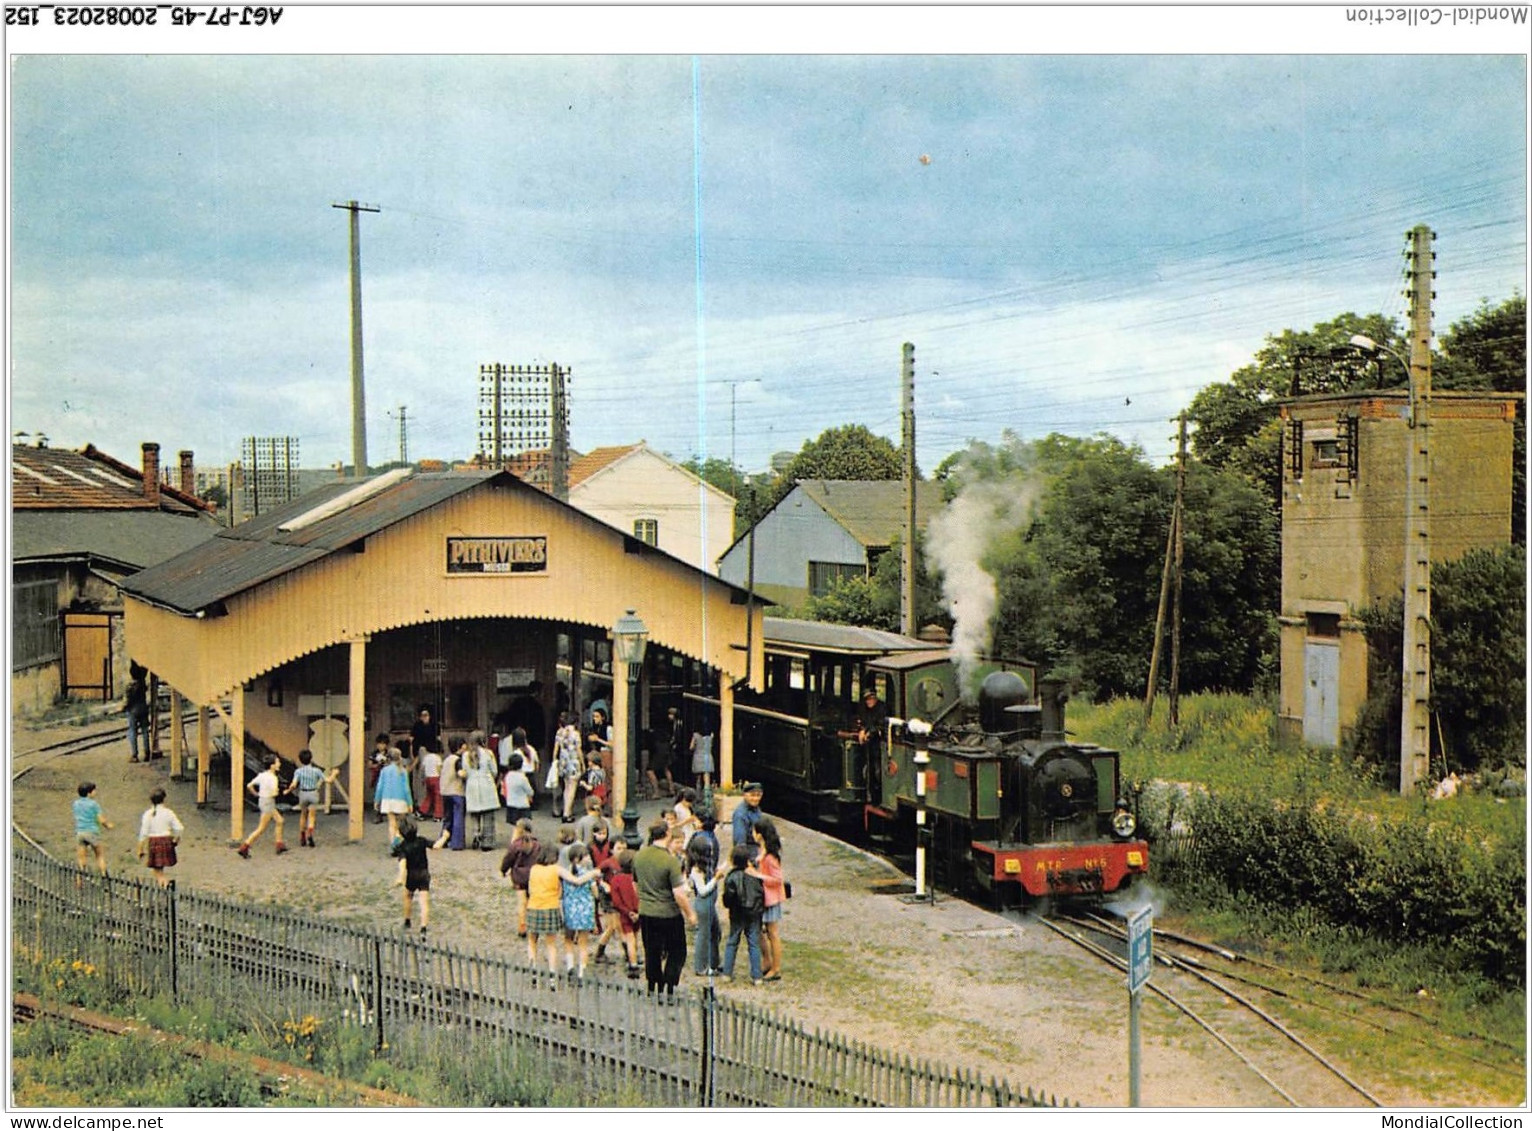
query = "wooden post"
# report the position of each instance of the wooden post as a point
(356, 735)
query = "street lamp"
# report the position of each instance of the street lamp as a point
(1367, 345)
(630, 636)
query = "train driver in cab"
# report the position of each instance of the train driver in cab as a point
(870, 722)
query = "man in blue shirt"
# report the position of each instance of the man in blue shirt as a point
(746, 814)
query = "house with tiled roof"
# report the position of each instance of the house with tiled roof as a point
(824, 530)
(648, 495)
(81, 522)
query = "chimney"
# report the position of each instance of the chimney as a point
(188, 475)
(152, 473)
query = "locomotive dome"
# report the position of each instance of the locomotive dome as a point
(998, 694)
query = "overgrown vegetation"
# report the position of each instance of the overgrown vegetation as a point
(1478, 668)
(58, 1064)
(1307, 829)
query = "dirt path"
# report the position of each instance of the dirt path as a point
(951, 983)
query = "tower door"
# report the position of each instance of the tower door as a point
(1321, 693)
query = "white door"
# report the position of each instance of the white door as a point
(1321, 696)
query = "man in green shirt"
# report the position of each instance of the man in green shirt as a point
(664, 909)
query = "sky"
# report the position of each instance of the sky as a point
(728, 249)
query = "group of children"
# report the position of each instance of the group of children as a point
(159, 832)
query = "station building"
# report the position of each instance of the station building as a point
(332, 619)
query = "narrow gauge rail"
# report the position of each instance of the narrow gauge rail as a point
(1329, 987)
(1110, 956)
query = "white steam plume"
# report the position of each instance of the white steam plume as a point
(956, 542)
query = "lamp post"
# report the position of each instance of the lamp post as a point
(630, 636)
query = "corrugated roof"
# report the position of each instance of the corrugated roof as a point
(259, 550)
(872, 511)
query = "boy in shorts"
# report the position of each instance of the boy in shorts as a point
(307, 779)
(264, 787)
(88, 823)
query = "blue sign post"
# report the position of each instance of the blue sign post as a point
(1140, 962)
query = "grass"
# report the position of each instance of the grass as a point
(1227, 743)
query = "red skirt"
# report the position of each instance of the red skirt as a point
(162, 851)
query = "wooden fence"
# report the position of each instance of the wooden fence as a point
(603, 1039)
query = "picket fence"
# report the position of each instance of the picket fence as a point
(609, 1041)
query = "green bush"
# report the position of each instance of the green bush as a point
(1307, 828)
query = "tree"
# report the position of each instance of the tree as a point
(1236, 425)
(1079, 585)
(848, 452)
(750, 492)
(1478, 666)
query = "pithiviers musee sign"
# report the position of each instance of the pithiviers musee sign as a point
(509, 553)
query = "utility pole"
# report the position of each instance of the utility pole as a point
(1175, 608)
(1172, 568)
(907, 556)
(559, 456)
(358, 396)
(404, 441)
(1415, 685)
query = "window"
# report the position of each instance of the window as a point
(1326, 453)
(1324, 625)
(823, 575)
(35, 620)
(647, 530)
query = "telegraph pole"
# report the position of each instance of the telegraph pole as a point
(1171, 570)
(1175, 605)
(1415, 708)
(907, 556)
(358, 396)
(404, 442)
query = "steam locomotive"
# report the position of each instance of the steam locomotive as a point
(1015, 812)
(1020, 812)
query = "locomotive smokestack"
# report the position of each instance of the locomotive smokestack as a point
(1054, 694)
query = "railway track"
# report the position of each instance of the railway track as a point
(1280, 1058)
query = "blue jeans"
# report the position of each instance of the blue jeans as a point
(705, 954)
(455, 816)
(750, 927)
(138, 726)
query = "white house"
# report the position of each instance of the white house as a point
(655, 499)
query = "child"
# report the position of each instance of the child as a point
(431, 774)
(686, 816)
(745, 900)
(412, 849)
(545, 919)
(158, 833)
(624, 895)
(516, 787)
(577, 903)
(593, 783)
(307, 779)
(391, 794)
(702, 878)
(592, 818)
(517, 864)
(567, 840)
(88, 823)
(264, 788)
